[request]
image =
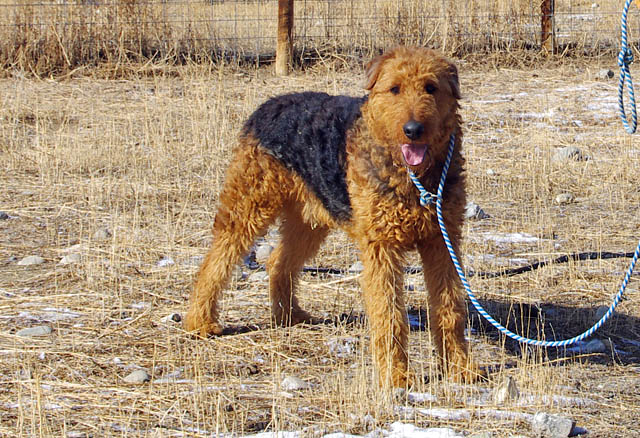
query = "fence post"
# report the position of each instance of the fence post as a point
(547, 32)
(284, 47)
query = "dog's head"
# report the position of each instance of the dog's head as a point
(413, 104)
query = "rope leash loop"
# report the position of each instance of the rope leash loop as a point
(625, 58)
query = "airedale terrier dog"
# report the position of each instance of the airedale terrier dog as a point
(318, 162)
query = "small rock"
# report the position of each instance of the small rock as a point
(399, 395)
(77, 248)
(263, 252)
(238, 274)
(356, 267)
(31, 260)
(172, 318)
(490, 172)
(165, 261)
(193, 261)
(291, 383)
(591, 347)
(594, 346)
(250, 260)
(506, 392)
(41, 330)
(102, 234)
(24, 374)
(70, 258)
(258, 277)
(473, 211)
(3, 216)
(564, 198)
(605, 74)
(138, 376)
(342, 347)
(569, 153)
(551, 426)
(600, 312)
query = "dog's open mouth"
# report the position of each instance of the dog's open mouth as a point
(414, 154)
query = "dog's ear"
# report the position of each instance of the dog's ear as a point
(454, 83)
(372, 69)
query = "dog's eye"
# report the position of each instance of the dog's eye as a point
(430, 88)
(395, 90)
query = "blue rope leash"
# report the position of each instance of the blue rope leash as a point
(427, 198)
(625, 58)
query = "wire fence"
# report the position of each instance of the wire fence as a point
(68, 33)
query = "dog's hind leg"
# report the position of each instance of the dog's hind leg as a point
(299, 242)
(251, 199)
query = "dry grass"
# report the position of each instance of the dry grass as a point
(57, 38)
(145, 158)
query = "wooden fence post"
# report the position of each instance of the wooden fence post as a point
(284, 48)
(547, 32)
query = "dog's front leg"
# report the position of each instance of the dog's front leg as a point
(447, 308)
(382, 284)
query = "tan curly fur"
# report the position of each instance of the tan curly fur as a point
(386, 221)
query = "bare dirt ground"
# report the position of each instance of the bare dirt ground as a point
(125, 174)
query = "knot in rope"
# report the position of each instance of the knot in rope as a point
(426, 198)
(625, 57)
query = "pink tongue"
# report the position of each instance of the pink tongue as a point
(413, 153)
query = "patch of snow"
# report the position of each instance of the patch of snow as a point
(466, 414)
(421, 397)
(275, 435)
(54, 314)
(397, 430)
(508, 237)
(493, 259)
(402, 430)
(141, 305)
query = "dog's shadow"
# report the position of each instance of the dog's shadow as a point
(621, 340)
(618, 339)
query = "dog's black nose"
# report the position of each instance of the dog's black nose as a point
(413, 130)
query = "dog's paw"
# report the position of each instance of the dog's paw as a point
(294, 317)
(200, 328)
(470, 373)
